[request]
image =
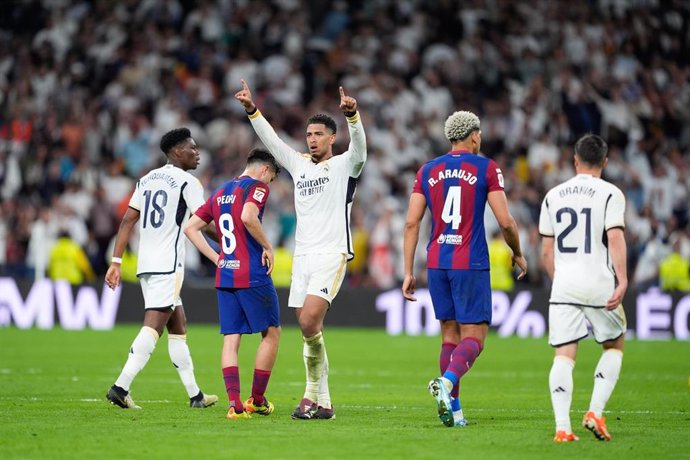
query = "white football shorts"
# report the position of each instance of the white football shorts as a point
(316, 274)
(567, 323)
(162, 291)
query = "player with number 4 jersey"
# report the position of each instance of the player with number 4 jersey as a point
(456, 187)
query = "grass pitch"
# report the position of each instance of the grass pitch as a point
(53, 385)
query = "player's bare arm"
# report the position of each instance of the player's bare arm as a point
(130, 219)
(618, 251)
(250, 219)
(415, 212)
(499, 205)
(193, 232)
(547, 255)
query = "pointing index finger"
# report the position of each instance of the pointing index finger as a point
(342, 91)
(244, 85)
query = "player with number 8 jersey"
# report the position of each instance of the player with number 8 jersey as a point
(247, 299)
(240, 263)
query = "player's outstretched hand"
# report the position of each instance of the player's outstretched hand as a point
(245, 97)
(348, 104)
(521, 263)
(112, 277)
(267, 260)
(408, 287)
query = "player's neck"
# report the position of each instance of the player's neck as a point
(326, 156)
(462, 147)
(595, 172)
(175, 164)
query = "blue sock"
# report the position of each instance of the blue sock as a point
(452, 376)
(455, 404)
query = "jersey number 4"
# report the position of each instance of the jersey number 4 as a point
(451, 207)
(560, 240)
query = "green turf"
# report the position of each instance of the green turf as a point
(53, 384)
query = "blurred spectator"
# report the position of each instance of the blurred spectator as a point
(69, 262)
(674, 271)
(85, 87)
(501, 260)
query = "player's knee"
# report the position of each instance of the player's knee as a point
(310, 327)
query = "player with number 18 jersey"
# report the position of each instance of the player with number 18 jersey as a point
(455, 186)
(239, 265)
(165, 197)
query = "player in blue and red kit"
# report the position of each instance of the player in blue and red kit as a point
(456, 187)
(247, 299)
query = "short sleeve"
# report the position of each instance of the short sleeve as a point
(545, 226)
(205, 211)
(615, 211)
(417, 187)
(257, 193)
(135, 200)
(494, 177)
(193, 194)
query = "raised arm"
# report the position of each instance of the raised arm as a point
(499, 205)
(284, 154)
(357, 150)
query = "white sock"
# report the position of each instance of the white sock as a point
(314, 360)
(605, 378)
(561, 386)
(139, 354)
(182, 360)
(324, 392)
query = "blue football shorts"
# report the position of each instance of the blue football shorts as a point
(461, 295)
(248, 310)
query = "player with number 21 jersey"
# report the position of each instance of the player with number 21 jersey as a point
(458, 183)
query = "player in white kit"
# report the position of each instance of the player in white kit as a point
(584, 253)
(161, 204)
(324, 189)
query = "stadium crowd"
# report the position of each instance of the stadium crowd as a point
(88, 87)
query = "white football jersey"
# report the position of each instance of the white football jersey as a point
(165, 198)
(323, 192)
(577, 214)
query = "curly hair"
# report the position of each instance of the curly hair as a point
(460, 125)
(323, 119)
(174, 137)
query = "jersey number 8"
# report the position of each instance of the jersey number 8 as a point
(228, 242)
